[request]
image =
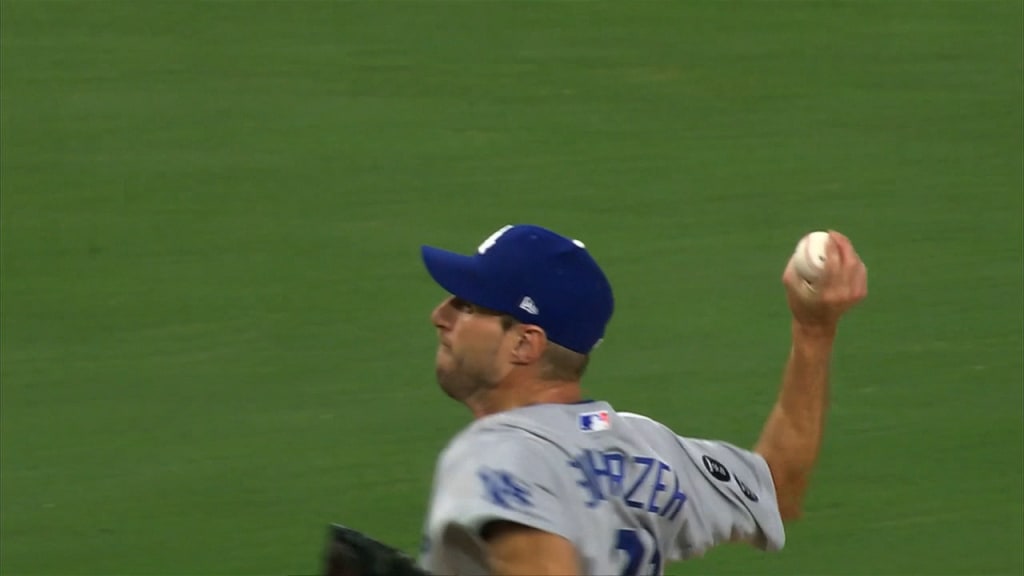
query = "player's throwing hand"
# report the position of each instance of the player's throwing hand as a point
(843, 284)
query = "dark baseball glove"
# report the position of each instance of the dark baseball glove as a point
(352, 553)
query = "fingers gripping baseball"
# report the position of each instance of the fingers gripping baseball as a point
(839, 281)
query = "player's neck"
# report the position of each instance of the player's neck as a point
(509, 396)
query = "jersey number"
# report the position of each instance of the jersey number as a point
(633, 545)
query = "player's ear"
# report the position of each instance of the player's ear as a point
(529, 345)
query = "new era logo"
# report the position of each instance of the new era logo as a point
(595, 421)
(528, 305)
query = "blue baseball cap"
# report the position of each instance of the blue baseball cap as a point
(536, 276)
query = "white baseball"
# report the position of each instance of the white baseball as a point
(810, 255)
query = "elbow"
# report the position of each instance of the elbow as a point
(791, 480)
(790, 511)
(790, 488)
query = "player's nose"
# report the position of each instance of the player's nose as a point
(438, 317)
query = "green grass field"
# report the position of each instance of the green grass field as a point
(215, 334)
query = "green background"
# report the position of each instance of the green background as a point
(215, 333)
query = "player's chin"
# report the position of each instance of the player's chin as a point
(448, 383)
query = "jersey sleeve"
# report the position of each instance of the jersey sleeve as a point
(501, 475)
(732, 499)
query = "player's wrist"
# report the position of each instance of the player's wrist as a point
(823, 332)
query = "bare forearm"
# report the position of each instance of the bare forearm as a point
(515, 550)
(791, 438)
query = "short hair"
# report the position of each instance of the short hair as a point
(558, 362)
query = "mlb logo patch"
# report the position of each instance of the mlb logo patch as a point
(595, 421)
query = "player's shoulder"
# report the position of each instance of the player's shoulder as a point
(535, 430)
(692, 445)
(499, 435)
(648, 426)
(558, 422)
(551, 421)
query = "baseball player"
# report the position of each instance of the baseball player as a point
(546, 481)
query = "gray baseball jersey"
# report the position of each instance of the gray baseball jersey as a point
(627, 491)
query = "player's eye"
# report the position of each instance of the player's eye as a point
(467, 307)
(462, 305)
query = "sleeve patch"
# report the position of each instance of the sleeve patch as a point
(716, 469)
(750, 494)
(504, 489)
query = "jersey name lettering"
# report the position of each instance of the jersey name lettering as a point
(642, 482)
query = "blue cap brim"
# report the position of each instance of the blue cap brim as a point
(458, 274)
